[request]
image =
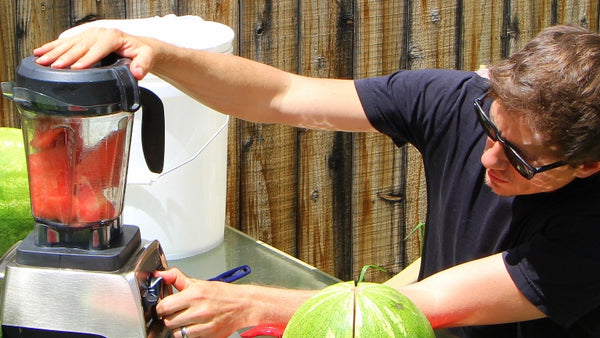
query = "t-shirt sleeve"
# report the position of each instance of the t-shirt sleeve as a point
(416, 106)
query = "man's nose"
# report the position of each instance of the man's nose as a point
(493, 156)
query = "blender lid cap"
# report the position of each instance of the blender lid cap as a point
(104, 88)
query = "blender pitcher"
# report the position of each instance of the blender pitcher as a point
(77, 128)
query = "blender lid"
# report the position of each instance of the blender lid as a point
(104, 88)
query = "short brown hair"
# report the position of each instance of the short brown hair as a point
(554, 84)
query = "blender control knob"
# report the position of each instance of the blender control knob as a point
(152, 293)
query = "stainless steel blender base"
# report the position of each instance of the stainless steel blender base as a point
(93, 303)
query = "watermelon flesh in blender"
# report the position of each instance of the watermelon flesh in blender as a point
(72, 183)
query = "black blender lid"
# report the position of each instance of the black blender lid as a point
(103, 88)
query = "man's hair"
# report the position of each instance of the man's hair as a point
(553, 83)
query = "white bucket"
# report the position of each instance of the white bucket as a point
(184, 206)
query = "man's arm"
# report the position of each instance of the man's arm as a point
(230, 84)
(217, 309)
(478, 292)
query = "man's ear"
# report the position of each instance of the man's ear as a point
(587, 169)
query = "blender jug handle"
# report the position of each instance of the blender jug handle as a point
(153, 114)
(153, 130)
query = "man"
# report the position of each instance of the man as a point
(511, 163)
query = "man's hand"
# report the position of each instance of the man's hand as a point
(218, 309)
(85, 49)
(206, 309)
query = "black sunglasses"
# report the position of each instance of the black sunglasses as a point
(512, 153)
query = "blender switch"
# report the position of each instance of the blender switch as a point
(154, 284)
(152, 293)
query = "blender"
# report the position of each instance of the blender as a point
(81, 272)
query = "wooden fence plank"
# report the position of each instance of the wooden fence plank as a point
(379, 37)
(378, 199)
(89, 10)
(580, 12)
(482, 33)
(267, 173)
(39, 22)
(433, 34)
(8, 59)
(324, 158)
(142, 9)
(432, 44)
(224, 11)
(527, 18)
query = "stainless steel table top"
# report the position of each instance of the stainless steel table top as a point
(269, 266)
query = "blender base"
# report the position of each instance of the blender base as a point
(110, 259)
(64, 302)
(98, 236)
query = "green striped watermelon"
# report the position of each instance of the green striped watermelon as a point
(15, 209)
(358, 310)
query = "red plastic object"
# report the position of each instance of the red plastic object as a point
(272, 330)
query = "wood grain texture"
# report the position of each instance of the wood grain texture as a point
(481, 33)
(327, 33)
(147, 8)
(584, 13)
(83, 11)
(378, 198)
(267, 162)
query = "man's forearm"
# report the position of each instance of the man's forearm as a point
(273, 305)
(256, 92)
(232, 85)
(479, 292)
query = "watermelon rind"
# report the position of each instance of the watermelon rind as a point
(381, 311)
(328, 314)
(344, 310)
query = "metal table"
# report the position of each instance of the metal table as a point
(269, 265)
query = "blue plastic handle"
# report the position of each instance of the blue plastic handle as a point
(233, 274)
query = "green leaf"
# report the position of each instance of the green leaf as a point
(419, 226)
(367, 267)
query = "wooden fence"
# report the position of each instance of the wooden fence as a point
(335, 200)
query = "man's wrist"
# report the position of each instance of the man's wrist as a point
(270, 305)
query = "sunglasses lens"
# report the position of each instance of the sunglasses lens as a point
(485, 123)
(490, 131)
(521, 167)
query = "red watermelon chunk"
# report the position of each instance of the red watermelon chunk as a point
(90, 206)
(102, 165)
(46, 139)
(50, 182)
(73, 194)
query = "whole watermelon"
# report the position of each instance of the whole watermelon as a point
(358, 310)
(15, 209)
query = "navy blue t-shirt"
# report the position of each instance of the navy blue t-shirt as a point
(551, 241)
